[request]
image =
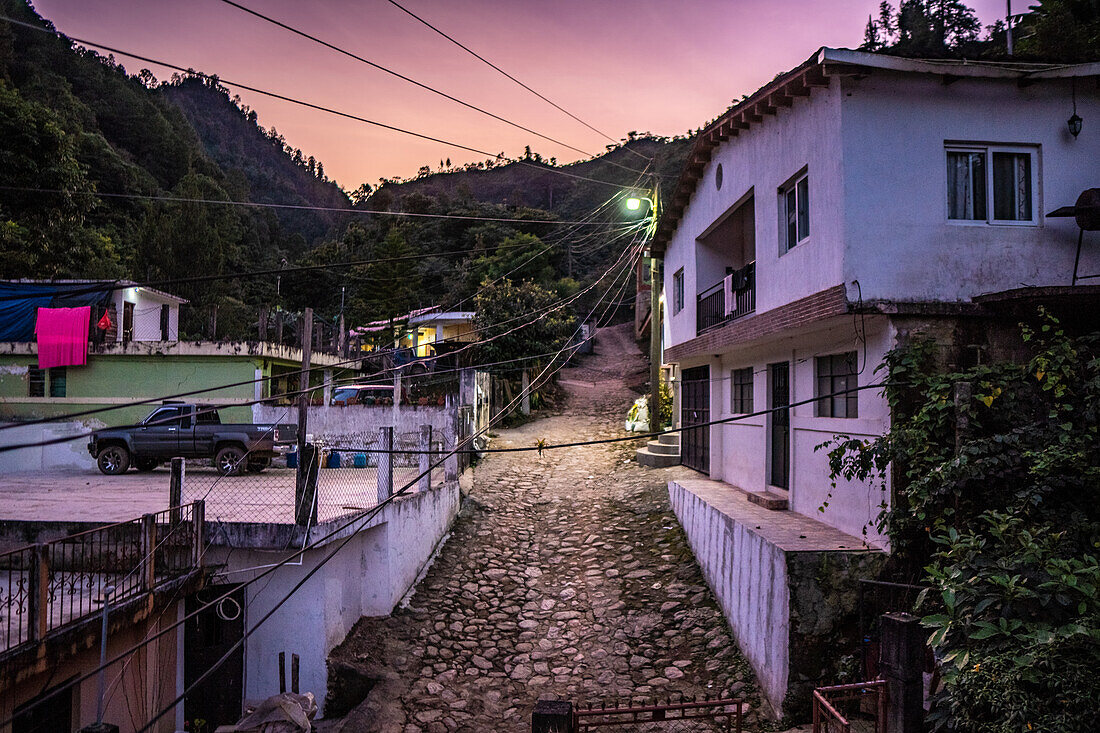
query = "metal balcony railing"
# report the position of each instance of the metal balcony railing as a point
(54, 585)
(710, 308)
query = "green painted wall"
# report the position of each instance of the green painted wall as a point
(123, 378)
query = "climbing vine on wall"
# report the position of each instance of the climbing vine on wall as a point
(996, 503)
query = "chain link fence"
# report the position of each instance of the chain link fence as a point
(339, 476)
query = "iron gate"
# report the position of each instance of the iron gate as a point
(695, 410)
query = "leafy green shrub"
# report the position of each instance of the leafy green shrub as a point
(1001, 489)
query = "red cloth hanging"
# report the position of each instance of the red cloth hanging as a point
(62, 336)
(104, 322)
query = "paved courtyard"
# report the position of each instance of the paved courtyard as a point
(566, 576)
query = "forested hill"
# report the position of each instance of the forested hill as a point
(230, 135)
(536, 182)
(76, 127)
(107, 172)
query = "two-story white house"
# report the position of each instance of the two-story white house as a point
(850, 202)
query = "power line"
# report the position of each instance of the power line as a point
(152, 400)
(359, 515)
(294, 207)
(490, 64)
(412, 81)
(292, 100)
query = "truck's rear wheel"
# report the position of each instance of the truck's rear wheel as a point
(230, 460)
(113, 460)
(146, 464)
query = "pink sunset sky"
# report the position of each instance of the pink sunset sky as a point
(662, 66)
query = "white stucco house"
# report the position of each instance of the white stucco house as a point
(849, 203)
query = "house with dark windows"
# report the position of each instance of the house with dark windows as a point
(851, 203)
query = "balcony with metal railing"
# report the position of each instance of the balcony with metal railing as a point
(52, 587)
(711, 309)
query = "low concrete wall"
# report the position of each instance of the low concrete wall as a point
(367, 577)
(70, 455)
(787, 585)
(749, 580)
(333, 422)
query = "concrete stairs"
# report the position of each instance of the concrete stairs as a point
(660, 453)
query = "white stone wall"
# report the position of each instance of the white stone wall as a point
(366, 577)
(749, 580)
(332, 421)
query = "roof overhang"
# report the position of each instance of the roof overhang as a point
(815, 73)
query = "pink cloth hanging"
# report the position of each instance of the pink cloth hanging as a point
(62, 336)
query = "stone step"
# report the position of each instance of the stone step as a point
(656, 446)
(669, 438)
(768, 500)
(656, 460)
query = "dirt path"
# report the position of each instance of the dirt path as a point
(566, 576)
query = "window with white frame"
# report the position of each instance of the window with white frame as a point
(794, 211)
(991, 183)
(678, 291)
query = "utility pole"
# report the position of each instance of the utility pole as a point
(1008, 26)
(654, 317)
(341, 337)
(303, 382)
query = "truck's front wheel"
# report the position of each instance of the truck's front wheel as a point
(113, 460)
(230, 460)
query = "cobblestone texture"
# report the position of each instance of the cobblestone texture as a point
(566, 576)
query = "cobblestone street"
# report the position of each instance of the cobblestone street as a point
(566, 576)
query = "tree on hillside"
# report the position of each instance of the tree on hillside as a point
(922, 28)
(388, 287)
(498, 307)
(1061, 30)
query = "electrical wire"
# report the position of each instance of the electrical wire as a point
(282, 97)
(412, 81)
(491, 65)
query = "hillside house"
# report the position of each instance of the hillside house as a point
(853, 201)
(139, 355)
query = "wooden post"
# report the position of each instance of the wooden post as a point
(385, 463)
(305, 497)
(552, 716)
(198, 516)
(282, 672)
(175, 490)
(306, 334)
(38, 617)
(426, 459)
(294, 673)
(654, 341)
(525, 400)
(902, 665)
(279, 327)
(148, 551)
(451, 462)
(342, 338)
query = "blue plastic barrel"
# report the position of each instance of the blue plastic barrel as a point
(292, 460)
(360, 460)
(333, 460)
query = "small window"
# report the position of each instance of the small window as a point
(794, 212)
(741, 391)
(57, 381)
(678, 291)
(979, 176)
(37, 382)
(835, 375)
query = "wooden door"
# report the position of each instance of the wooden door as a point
(779, 421)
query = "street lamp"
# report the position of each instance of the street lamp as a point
(634, 203)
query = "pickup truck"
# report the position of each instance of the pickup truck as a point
(189, 431)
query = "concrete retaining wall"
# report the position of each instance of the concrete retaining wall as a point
(749, 580)
(71, 455)
(367, 577)
(334, 422)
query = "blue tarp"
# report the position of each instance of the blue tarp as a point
(19, 303)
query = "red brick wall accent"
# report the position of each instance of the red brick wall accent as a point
(816, 307)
